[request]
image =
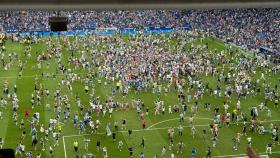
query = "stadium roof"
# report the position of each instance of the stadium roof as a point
(133, 4)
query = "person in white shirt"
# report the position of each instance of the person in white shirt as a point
(268, 148)
(169, 109)
(249, 141)
(1, 143)
(191, 120)
(226, 106)
(163, 152)
(105, 152)
(268, 113)
(193, 131)
(120, 145)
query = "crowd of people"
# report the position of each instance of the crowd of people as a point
(134, 64)
(250, 28)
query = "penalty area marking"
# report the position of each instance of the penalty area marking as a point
(198, 118)
(152, 129)
(136, 130)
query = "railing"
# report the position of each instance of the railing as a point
(101, 31)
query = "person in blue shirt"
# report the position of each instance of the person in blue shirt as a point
(193, 152)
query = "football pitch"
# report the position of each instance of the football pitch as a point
(156, 131)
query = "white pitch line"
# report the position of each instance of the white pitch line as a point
(243, 154)
(230, 155)
(271, 121)
(222, 156)
(17, 76)
(30, 76)
(141, 130)
(136, 130)
(152, 129)
(65, 153)
(199, 118)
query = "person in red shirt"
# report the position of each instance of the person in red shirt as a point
(144, 123)
(26, 112)
(222, 117)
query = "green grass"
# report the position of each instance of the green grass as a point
(155, 138)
